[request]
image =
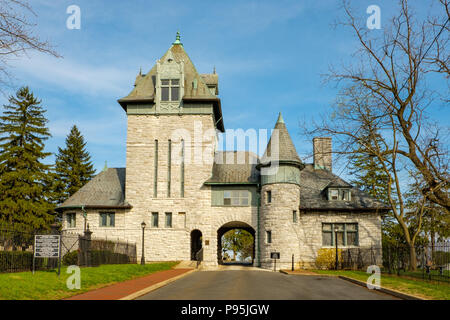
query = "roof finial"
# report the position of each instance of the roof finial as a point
(214, 70)
(280, 118)
(140, 71)
(177, 39)
(105, 167)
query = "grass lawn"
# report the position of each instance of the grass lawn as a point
(417, 287)
(45, 285)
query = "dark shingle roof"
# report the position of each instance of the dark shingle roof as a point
(286, 148)
(312, 196)
(234, 167)
(107, 189)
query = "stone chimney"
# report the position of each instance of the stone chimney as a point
(322, 153)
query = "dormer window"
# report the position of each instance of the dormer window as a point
(339, 194)
(170, 89)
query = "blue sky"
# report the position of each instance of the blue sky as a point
(269, 55)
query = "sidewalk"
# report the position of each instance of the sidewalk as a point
(131, 289)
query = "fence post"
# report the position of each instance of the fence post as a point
(87, 239)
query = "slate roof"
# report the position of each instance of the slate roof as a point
(286, 148)
(107, 189)
(144, 89)
(234, 167)
(313, 182)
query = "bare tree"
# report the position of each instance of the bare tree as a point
(393, 69)
(384, 92)
(17, 36)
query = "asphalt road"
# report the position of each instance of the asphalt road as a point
(261, 285)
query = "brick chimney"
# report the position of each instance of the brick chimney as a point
(322, 153)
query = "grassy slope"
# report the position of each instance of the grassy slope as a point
(47, 285)
(416, 287)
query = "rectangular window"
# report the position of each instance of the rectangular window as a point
(170, 89)
(334, 194)
(107, 219)
(227, 198)
(155, 219)
(294, 216)
(155, 177)
(269, 196)
(168, 219)
(345, 195)
(71, 220)
(346, 233)
(236, 198)
(269, 236)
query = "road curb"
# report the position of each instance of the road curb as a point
(156, 286)
(391, 292)
(311, 274)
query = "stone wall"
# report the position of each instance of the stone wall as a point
(277, 217)
(310, 231)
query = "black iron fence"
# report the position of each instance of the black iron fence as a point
(17, 250)
(431, 262)
(94, 252)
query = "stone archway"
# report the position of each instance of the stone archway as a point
(231, 226)
(196, 243)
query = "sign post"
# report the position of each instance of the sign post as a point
(275, 256)
(47, 246)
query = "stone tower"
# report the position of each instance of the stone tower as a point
(280, 198)
(173, 113)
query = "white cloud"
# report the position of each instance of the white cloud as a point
(73, 76)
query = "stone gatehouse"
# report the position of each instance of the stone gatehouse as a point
(188, 194)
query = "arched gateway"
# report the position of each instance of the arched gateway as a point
(231, 226)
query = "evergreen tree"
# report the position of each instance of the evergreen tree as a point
(23, 194)
(372, 179)
(73, 165)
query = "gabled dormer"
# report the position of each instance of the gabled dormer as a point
(338, 191)
(174, 87)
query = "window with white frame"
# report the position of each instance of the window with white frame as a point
(342, 194)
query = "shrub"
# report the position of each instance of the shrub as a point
(326, 258)
(70, 258)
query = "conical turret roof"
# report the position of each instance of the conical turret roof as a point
(286, 149)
